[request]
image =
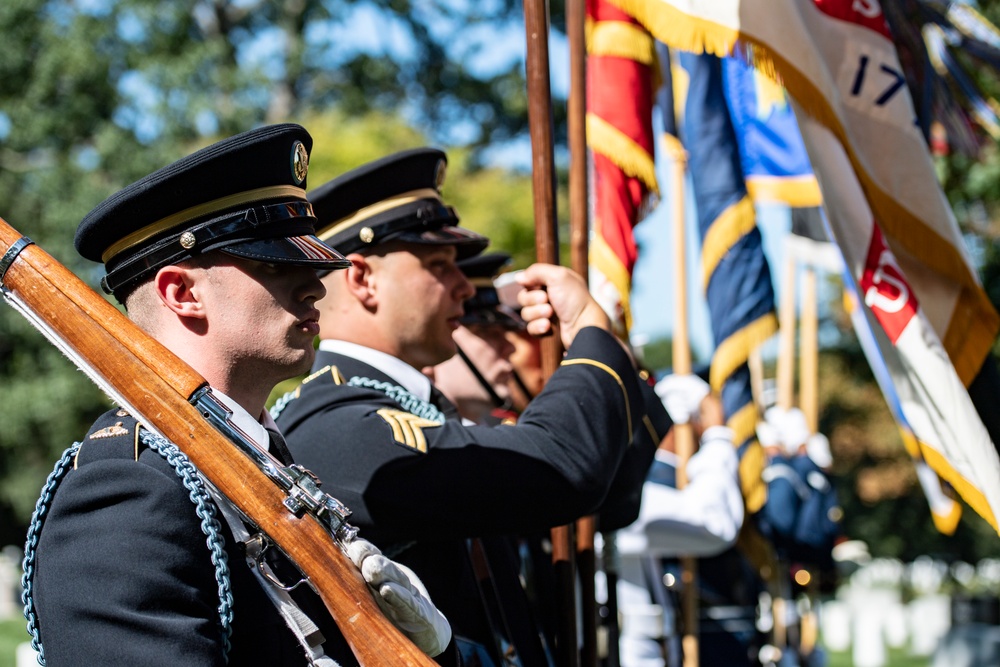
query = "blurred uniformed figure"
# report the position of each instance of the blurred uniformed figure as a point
(526, 376)
(476, 379)
(801, 518)
(702, 519)
(803, 522)
(419, 481)
(202, 253)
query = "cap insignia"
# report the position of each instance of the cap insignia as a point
(109, 432)
(439, 171)
(187, 240)
(366, 235)
(300, 162)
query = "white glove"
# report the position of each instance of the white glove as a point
(402, 598)
(793, 431)
(681, 396)
(767, 434)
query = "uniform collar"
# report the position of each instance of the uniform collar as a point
(243, 420)
(408, 377)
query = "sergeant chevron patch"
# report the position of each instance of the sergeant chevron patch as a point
(407, 428)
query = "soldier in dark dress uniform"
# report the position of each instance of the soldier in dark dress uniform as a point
(476, 379)
(137, 561)
(371, 425)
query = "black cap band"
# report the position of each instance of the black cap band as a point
(294, 218)
(412, 218)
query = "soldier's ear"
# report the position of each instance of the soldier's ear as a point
(359, 280)
(175, 286)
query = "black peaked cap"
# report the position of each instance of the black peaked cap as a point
(486, 306)
(395, 198)
(244, 195)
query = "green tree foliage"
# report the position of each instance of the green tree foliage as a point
(972, 181)
(657, 354)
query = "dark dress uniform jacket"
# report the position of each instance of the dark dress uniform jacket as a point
(124, 576)
(417, 488)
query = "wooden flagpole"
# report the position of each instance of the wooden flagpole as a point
(809, 351)
(809, 403)
(579, 219)
(683, 433)
(579, 209)
(536, 25)
(785, 398)
(786, 339)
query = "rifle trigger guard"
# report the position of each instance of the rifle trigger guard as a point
(255, 547)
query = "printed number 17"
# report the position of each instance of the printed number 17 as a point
(891, 89)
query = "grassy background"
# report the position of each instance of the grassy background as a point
(894, 658)
(12, 633)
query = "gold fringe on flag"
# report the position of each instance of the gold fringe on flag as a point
(603, 259)
(680, 30)
(795, 191)
(630, 157)
(734, 351)
(621, 40)
(946, 524)
(732, 225)
(969, 493)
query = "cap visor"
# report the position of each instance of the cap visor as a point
(467, 242)
(499, 316)
(294, 250)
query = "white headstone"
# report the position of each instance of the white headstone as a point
(869, 647)
(835, 625)
(25, 656)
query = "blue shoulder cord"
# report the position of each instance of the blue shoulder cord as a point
(204, 508)
(404, 398)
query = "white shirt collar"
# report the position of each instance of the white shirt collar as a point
(243, 420)
(408, 377)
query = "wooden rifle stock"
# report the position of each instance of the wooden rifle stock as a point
(156, 387)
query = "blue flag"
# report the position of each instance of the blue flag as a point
(735, 272)
(774, 159)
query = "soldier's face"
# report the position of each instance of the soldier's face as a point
(263, 315)
(488, 348)
(421, 291)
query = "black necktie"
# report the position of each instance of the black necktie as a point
(446, 407)
(279, 448)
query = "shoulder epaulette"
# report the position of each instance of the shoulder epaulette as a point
(115, 435)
